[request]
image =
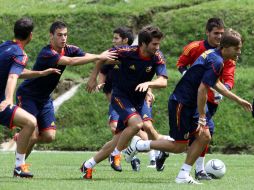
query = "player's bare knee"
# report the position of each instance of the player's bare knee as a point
(31, 123)
(49, 138)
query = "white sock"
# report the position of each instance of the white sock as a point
(90, 163)
(115, 152)
(152, 155)
(143, 145)
(200, 164)
(20, 159)
(185, 171)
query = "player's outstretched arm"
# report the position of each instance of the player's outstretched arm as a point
(106, 55)
(92, 81)
(160, 82)
(27, 74)
(225, 92)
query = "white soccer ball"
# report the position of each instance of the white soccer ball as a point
(215, 168)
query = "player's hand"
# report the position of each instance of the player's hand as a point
(217, 96)
(100, 86)
(108, 55)
(91, 84)
(201, 125)
(50, 71)
(150, 98)
(142, 87)
(246, 105)
(4, 104)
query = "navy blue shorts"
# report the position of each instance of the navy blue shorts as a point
(125, 109)
(113, 115)
(7, 116)
(182, 122)
(42, 110)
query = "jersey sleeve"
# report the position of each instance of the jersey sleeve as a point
(75, 51)
(161, 69)
(187, 57)
(213, 72)
(18, 64)
(228, 74)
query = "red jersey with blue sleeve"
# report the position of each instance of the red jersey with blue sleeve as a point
(135, 69)
(206, 69)
(13, 60)
(41, 88)
(192, 51)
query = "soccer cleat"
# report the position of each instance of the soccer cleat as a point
(160, 160)
(115, 162)
(188, 180)
(152, 164)
(135, 164)
(131, 150)
(202, 175)
(22, 171)
(86, 172)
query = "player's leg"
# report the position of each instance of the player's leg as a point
(27, 123)
(195, 149)
(200, 172)
(104, 152)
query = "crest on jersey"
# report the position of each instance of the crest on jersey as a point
(132, 67)
(53, 123)
(148, 69)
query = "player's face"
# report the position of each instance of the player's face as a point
(153, 46)
(214, 36)
(59, 38)
(233, 52)
(117, 40)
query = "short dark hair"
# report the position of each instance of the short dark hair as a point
(57, 25)
(125, 32)
(23, 28)
(230, 38)
(147, 33)
(214, 22)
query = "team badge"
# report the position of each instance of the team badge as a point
(186, 135)
(148, 69)
(132, 67)
(133, 109)
(53, 123)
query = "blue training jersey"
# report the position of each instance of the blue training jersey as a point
(111, 73)
(41, 88)
(207, 69)
(135, 69)
(13, 60)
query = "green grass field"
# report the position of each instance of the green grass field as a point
(61, 171)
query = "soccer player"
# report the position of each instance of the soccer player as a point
(138, 65)
(107, 76)
(13, 60)
(214, 31)
(190, 94)
(33, 95)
